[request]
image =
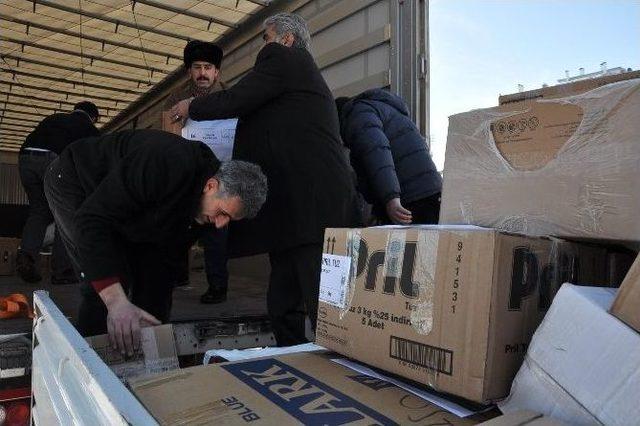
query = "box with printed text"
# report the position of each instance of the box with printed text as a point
(453, 307)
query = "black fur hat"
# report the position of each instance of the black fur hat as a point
(197, 50)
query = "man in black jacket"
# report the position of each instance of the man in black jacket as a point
(202, 61)
(395, 171)
(128, 205)
(288, 125)
(42, 145)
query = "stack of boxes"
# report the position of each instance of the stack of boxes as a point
(534, 194)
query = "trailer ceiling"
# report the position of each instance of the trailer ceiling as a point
(54, 53)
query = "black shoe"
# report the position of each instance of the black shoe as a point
(26, 268)
(214, 296)
(64, 280)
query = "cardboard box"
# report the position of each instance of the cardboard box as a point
(619, 264)
(301, 388)
(522, 418)
(583, 365)
(8, 253)
(560, 167)
(627, 303)
(157, 353)
(567, 89)
(453, 307)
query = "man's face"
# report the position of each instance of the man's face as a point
(269, 36)
(203, 74)
(217, 211)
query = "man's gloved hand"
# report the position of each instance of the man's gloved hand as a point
(124, 320)
(398, 214)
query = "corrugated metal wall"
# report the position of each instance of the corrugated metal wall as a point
(11, 191)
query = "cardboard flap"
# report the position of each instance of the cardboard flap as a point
(626, 305)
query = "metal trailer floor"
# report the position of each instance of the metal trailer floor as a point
(246, 296)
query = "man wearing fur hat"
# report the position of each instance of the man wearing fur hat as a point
(202, 62)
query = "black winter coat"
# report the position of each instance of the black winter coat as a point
(388, 152)
(140, 186)
(289, 126)
(57, 131)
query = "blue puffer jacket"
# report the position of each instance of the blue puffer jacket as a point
(388, 152)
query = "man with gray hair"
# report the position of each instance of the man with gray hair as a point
(128, 205)
(289, 126)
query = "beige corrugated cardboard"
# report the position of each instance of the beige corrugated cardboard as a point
(157, 353)
(8, 252)
(568, 89)
(627, 304)
(522, 418)
(561, 167)
(291, 389)
(583, 364)
(449, 306)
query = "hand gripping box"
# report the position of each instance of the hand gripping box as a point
(563, 167)
(453, 307)
(302, 388)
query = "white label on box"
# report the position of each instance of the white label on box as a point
(334, 278)
(218, 135)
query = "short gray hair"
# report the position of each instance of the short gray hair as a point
(244, 180)
(290, 23)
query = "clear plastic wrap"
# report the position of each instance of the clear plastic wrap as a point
(566, 167)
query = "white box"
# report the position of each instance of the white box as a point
(583, 364)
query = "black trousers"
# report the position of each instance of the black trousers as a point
(425, 211)
(150, 272)
(32, 167)
(293, 291)
(214, 241)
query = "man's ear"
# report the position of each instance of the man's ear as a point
(288, 39)
(211, 185)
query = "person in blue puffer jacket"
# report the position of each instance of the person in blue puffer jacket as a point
(395, 171)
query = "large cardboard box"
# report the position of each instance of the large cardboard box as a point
(567, 89)
(627, 303)
(302, 388)
(583, 365)
(157, 353)
(453, 307)
(559, 167)
(8, 253)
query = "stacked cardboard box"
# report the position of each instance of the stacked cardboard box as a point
(453, 307)
(560, 167)
(302, 388)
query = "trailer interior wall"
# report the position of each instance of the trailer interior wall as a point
(358, 44)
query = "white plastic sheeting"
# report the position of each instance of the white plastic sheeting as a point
(71, 385)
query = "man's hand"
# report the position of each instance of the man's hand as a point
(124, 320)
(180, 111)
(398, 214)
